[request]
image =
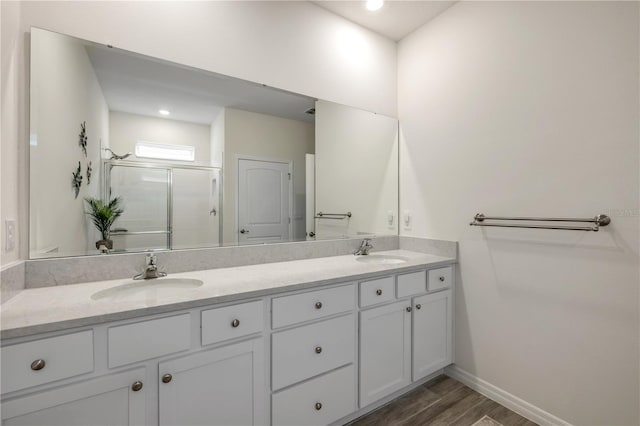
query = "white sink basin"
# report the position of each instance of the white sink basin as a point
(147, 288)
(382, 259)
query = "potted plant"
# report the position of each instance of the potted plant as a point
(103, 215)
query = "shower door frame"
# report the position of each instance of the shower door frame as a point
(107, 165)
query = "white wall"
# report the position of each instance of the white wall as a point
(356, 170)
(125, 130)
(65, 93)
(266, 137)
(13, 177)
(295, 46)
(531, 109)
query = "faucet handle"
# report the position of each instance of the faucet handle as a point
(151, 259)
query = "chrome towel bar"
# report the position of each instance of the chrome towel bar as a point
(338, 216)
(598, 221)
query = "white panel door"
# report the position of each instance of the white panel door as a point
(385, 351)
(263, 201)
(107, 400)
(432, 323)
(224, 386)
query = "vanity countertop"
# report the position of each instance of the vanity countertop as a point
(56, 308)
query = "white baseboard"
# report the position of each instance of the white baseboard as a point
(512, 402)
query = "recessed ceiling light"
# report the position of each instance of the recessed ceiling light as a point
(374, 4)
(164, 112)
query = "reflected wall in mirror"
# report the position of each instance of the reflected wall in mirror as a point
(199, 159)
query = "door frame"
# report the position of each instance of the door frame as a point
(239, 157)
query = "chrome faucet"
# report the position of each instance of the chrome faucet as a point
(365, 247)
(151, 269)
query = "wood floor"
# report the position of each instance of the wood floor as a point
(442, 401)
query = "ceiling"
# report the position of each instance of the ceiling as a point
(142, 85)
(395, 20)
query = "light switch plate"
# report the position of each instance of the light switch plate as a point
(406, 217)
(10, 235)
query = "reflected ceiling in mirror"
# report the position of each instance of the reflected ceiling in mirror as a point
(196, 159)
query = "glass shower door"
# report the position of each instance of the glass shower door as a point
(196, 207)
(145, 223)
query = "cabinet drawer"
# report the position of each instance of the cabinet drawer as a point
(376, 291)
(62, 356)
(439, 278)
(148, 339)
(232, 321)
(410, 284)
(310, 350)
(320, 401)
(302, 307)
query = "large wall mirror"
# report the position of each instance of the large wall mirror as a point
(130, 153)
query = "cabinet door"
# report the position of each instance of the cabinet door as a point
(107, 400)
(223, 386)
(385, 351)
(432, 323)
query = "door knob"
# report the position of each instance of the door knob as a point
(167, 378)
(244, 231)
(136, 386)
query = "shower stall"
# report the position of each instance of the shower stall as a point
(166, 206)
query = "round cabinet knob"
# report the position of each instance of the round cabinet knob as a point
(418, 306)
(38, 364)
(167, 378)
(318, 349)
(244, 231)
(235, 323)
(379, 292)
(441, 278)
(408, 308)
(318, 406)
(318, 305)
(136, 386)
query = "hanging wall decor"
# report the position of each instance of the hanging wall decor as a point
(89, 170)
(77, 180)
(83, 138)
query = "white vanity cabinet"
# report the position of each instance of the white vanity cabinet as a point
(168, 369)
(432, 333)
(385, 351)
(408, 339)
(313, 377)
(316, 357)
(114, 399)
(222, 386)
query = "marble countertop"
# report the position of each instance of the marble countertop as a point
(47, 309)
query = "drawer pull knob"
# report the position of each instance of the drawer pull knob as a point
(235, 323)
(418, 306)
(318, 406)
(442, 279)
(38, 364)
(408, 308)
(379, 292)
(136, 386)
(318, 349)
(318, 305)
(167, 378)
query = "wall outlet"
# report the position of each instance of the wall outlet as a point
(406, 219)
(9, 235)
